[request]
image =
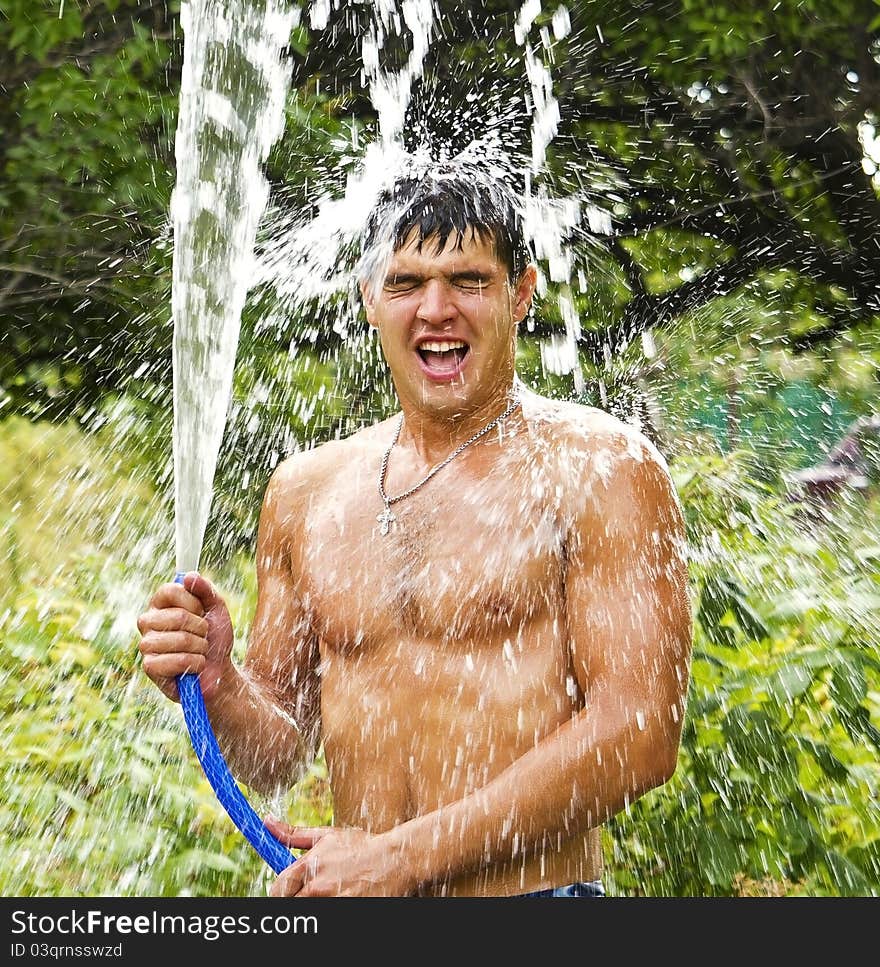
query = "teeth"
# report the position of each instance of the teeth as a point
(443, 347)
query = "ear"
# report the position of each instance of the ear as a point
(522, 295)
(368, 298)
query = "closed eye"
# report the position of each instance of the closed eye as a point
(464, 281)
(402, 283)
(470, 281)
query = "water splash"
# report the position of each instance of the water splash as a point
(309, 259)
(391, 91)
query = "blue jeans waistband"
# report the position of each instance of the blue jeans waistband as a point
(591, 888)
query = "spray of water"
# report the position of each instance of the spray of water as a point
(310, 258)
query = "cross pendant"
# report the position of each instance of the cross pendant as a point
(386, 519)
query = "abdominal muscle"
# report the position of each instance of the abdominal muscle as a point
(443, 722)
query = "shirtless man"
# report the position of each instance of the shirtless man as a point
(495, 655)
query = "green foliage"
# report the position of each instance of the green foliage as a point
(85, 180)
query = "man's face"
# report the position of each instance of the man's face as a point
(447, 321)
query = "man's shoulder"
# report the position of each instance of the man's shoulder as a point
(578, 429)
(315, 464)
(609, 469)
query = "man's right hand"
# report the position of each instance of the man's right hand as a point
(186, 628)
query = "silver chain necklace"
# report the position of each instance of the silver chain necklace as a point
(386, 518)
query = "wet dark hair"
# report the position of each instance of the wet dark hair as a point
(455, 203)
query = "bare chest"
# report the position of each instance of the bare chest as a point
(464, 557)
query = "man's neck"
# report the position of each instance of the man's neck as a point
(433, 436)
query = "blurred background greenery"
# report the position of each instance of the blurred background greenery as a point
(731, 311)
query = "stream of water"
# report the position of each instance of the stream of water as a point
(232, 98)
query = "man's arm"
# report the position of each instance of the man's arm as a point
(266, 713)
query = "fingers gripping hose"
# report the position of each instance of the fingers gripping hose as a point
(222, 781)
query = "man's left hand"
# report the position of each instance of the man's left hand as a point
(340, 861)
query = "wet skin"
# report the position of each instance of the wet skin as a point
(502, 671)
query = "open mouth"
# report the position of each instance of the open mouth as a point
(443, 358)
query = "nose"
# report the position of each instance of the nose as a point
(435, 306)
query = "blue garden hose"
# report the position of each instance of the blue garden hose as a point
(222, 781)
